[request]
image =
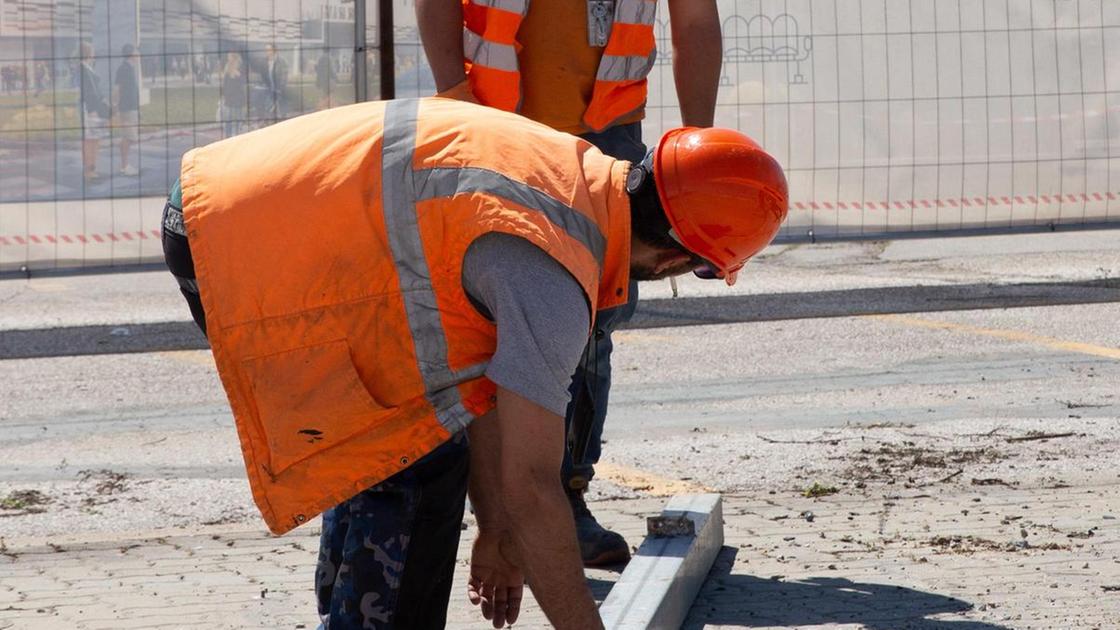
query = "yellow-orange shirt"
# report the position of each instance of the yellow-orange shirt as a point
(558, 66)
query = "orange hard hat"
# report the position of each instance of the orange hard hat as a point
(724, 196)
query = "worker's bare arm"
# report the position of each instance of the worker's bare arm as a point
(697, 56)
(496, 583)
(441, 32)
(485, 451)
(539, 517)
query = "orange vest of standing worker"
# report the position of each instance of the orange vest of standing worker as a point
(329, 251)
(490, 46)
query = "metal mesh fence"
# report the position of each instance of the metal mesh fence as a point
(898, 117)
(99, 99)
(892, 117)
(903, 116)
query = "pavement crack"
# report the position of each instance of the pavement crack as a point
(875, 249)
(769, 258)
(883, 516)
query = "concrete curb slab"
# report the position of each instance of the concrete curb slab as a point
(659, 585)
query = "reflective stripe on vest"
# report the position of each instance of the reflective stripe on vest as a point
(399, 206)
(635, 12)
(480, 52)
(447, 182)
(489, 32)
(613, 68)
(513, 6)
(402, 187)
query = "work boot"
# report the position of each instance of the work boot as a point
(598, 546)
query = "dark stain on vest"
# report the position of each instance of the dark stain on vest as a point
(316, 435)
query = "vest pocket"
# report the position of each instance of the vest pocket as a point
(310, 399)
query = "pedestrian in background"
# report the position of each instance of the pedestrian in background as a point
(276, 80)
(324, 78)
(579, 67)
(235, 95)
(95, 112)
(42, 77)
(126, 105)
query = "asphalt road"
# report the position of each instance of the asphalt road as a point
(158, 420)
(111, 410)
(915, 368)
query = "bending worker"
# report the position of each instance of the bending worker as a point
(396, 294)
(578, 66)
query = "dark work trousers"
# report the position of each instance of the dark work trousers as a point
(387, 555)
(591, 384)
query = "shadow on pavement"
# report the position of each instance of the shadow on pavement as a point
(183, 335)
(732, 309)
(749, 601)
(599, 588)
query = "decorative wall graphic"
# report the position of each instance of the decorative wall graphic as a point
(765, 39)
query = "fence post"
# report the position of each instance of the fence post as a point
(360, 72)
(388, 63)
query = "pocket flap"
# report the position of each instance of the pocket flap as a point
(310, 399)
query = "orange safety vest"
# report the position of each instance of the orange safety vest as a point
(329, 250)
(490, 47)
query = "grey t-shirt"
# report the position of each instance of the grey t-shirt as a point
(541, 314)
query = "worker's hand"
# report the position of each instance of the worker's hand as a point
(496, 583)
(460, 92)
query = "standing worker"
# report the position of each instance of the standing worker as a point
(396, 294)
(578, 66)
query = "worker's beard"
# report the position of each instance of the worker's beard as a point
(643, 273)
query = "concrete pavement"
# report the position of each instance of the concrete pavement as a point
(978, 558)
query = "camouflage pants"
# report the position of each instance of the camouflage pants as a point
(387, 555)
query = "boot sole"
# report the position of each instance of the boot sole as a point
(607, 558)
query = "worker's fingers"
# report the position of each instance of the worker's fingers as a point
(473, 585)
(487, 593)
(474, 590)
(497, 593)
(500, 601)
(513, 604)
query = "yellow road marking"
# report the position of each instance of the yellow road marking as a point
(1010, 335)
(647, 482)
(194, 357)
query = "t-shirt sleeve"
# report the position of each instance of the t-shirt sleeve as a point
(541, 314)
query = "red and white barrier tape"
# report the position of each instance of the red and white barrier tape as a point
(52, 239)
(953, 202)
(911, 204)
